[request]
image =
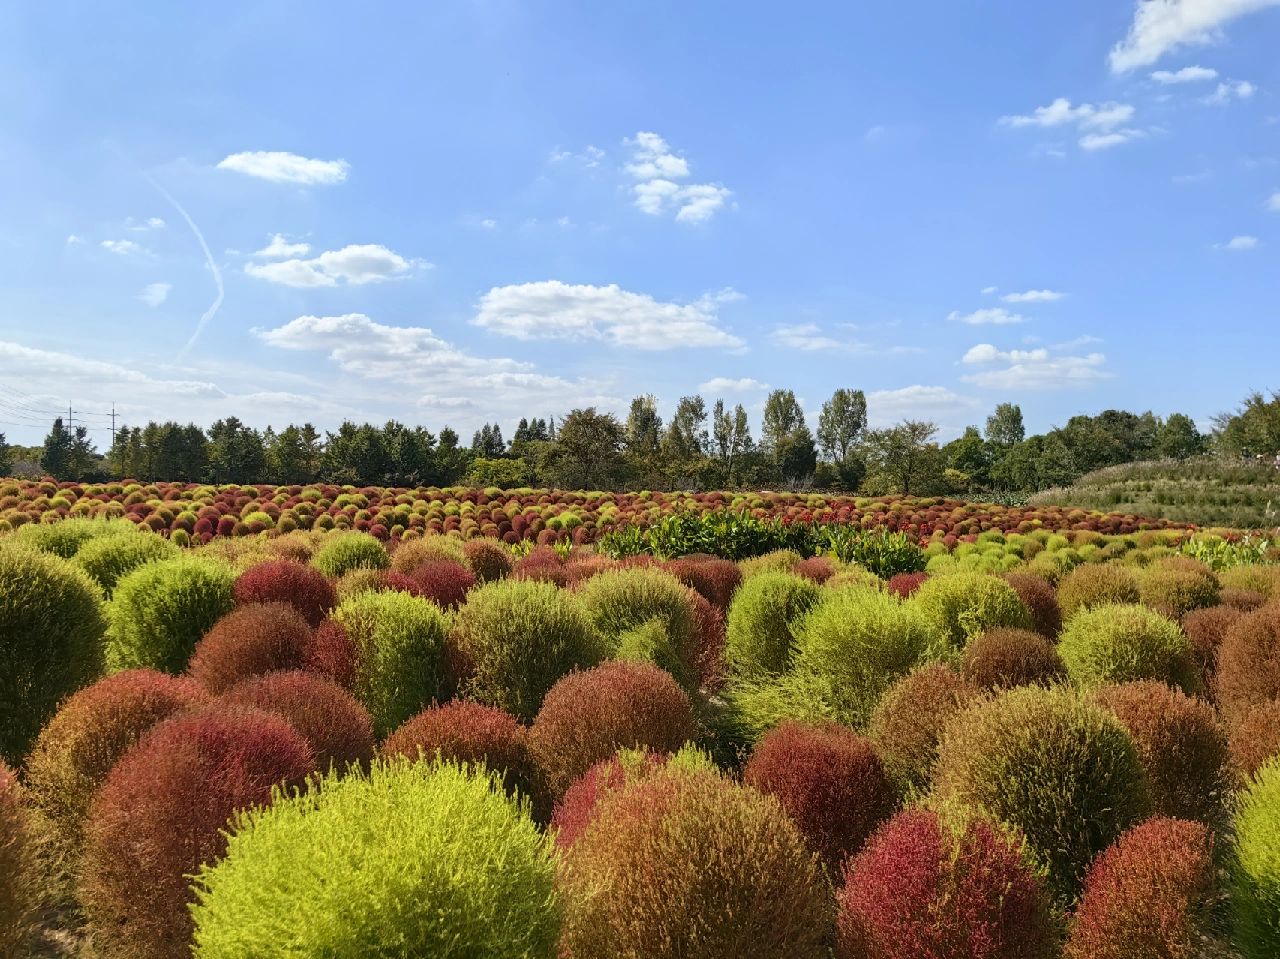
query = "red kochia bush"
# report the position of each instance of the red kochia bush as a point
(442, 581)
(249, 641)
(1206, 628)
(928, 888)
(162, 812)
(332, 653)
(471, 733)
(1245, 600)
(708, 659)
(1255, 738)
(1004, 658)
(17, 901)
(1182, 748)
(588, 716)
(715, 579)
(286, 581)
(1148, 894)
(336, 727)
(817, 568)
(828, 779)
(1039, 597)
(1248, 670)
(904, 584)
(577, 808)
(488, 559)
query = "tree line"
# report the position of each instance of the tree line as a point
(697, 447)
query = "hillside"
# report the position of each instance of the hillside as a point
(1206, 491)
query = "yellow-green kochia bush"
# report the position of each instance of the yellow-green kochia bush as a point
(1058, 767)
(344, 552)
(109, 558)
(51, 626)
(67, 537)
(1123, 643)
(763, 617)
(399, 643)
(965, 605)
(517, 637)
(1255, 873)
(413, 859)
(158, 612)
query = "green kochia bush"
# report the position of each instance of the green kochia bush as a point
(1060, 769)
(67, 537)
(51, 627)
(109, 558)
(965, 605)
(1255, 874)
(400, 654)
(158, 612)
(414, 859)
(344, 552)
(763, 618)
(517, 637)
(1124, 643)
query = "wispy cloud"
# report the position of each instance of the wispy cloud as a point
(1185, 75)
(1161, 26)
(355, 265)
(281, 167)
(1228, 91)
(657, 168)
(990, 316)
(153, 294)
(1037, 369)
(1033, 296)
(123, 247)
(1238, 243)
(1099, 126)
(279, 247)
(725, 384)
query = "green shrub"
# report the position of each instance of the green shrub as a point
(414, 859)
(1059, 768)
(763, 618)
(517, 638)
(109, 558)
(1255, 873)
(344, 552)
(850, 649)
(964, 605)
(621, 601)
(1120, 644)
(400, 654)
(66, 537)
(51, 627)
(1175, 588)
(1096, 585)
(158, 612)
(775, 561)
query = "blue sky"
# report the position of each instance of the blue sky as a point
(460, 212)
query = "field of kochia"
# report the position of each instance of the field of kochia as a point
(547, 725)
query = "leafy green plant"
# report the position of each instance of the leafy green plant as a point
(885, 552)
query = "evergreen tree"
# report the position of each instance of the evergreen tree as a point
(6, 456)
(56, 457)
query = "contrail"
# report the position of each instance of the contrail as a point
(208, 257)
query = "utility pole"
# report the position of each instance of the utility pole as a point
(113, 424)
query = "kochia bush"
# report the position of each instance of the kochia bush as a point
(158, 612)
(908, 721)
(1097, 584)
(288, 581)
(1248, 673)
(109, 558)
(1041, 600)
(414, 859)
(1004, 658)
(343, 552)
(249, 641)
(51, 627)
(1255, 873)
(1121, 644)
(965, 605)
(17, 867)
(763, 618)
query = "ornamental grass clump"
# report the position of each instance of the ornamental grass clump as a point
(80, 745)
(766, 611)
(158, 612)
(249, 641)
(412, 859)
(588, 716)
(287, 581)
(1248, 670)
(965, 605)
(51, 627)
(336, 727)
(830, 782)
(1097, 584)
(401, 657)
(1151, 893)
(1061, 769)
(1038, 595)
(1182, 747)
(1004, 658)
(162, 813)
(907, 723)
(18, 895)
(516, 639)
(107, 559)
(1122, 644)
(467, 732)
(343, 552)
(690, 864)
(944, 883)
(1255, 867)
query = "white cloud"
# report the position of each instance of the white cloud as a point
(1184, 178)
(74, 240)
(1160, 26)
(1086, 116)
(1104, 141)
(34, 369)
(590, 157)
(657, 168)
(355, 265)
(280, 167)
(279, 248)
(564, 222)
(1079, 341)
(553, 310)
(988, 290)
(990, 316)
(1037, 369)
(1033, 296)
(1238, 243)
(153, 294)
(1228, 91)
(142, 226)
(1273, 204)
(725, 384)
(123, 247)
(489, 224)
(885, 407)
(1185, 75)
(805, 336)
